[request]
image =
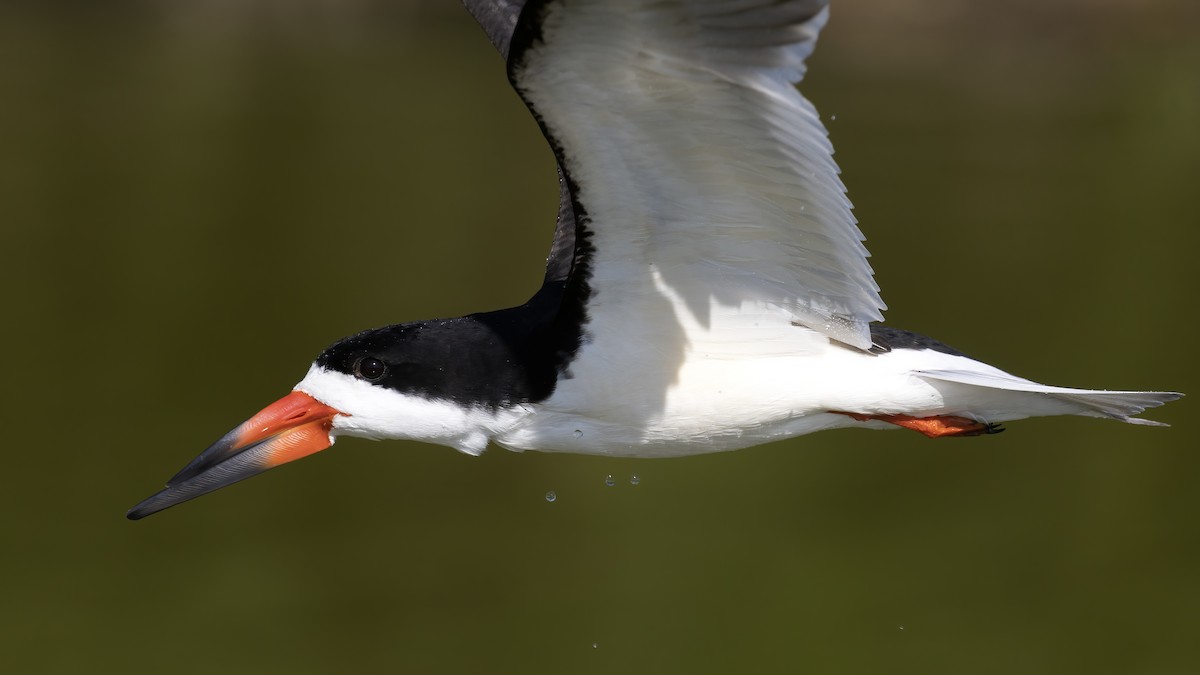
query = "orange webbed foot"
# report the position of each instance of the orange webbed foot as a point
(936, 426)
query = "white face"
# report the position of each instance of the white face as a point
(375, 412)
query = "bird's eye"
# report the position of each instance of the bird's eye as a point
(369, 368)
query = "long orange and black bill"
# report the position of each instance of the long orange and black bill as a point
(295, 426)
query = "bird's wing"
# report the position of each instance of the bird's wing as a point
(499, 18)
(694, 164)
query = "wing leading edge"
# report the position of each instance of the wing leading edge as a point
(681, 135)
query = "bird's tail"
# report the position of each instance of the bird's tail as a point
(998, 396)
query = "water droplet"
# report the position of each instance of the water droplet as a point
(901, 627)
(634, 480)
(609, 480)
(578, 433)
(595, 645)
(832, 118)
(550, 496)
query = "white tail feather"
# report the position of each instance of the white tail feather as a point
(1118, 405)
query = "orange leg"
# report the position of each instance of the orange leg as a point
(933, 427)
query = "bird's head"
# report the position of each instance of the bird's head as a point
(400, 382)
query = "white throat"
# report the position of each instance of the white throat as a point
(375, 412)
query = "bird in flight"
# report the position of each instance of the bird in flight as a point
(707, 287)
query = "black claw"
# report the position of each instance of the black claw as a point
(993, 428)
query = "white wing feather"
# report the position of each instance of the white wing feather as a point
(702, 170)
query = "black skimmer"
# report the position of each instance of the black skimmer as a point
(707, 288)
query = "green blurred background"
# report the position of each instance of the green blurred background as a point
(197, 197)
